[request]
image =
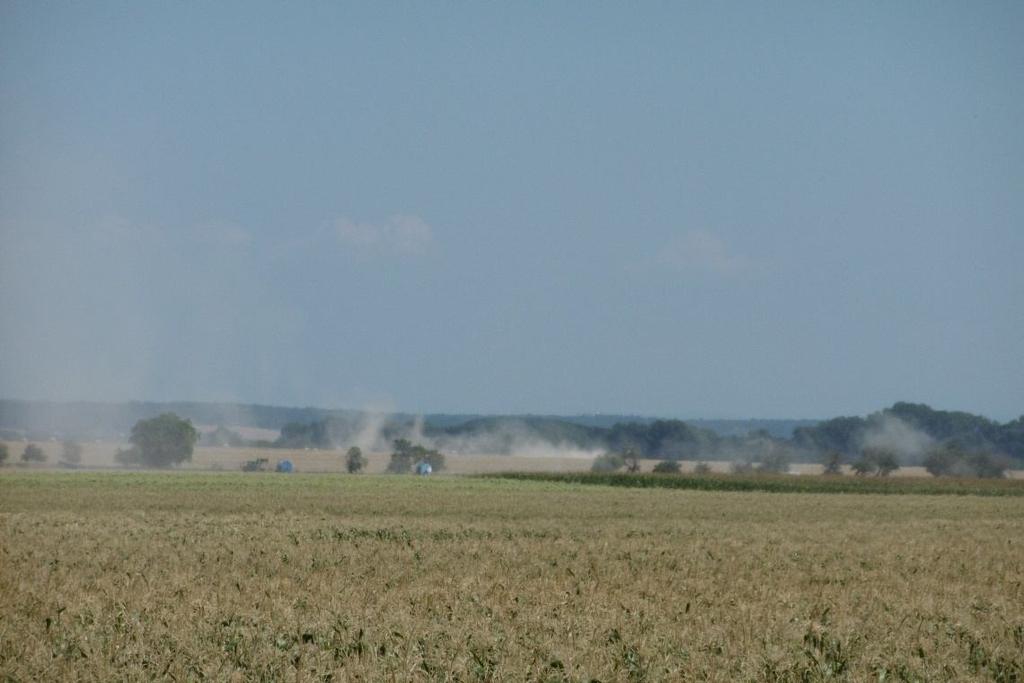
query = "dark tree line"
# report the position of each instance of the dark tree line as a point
(843, 439)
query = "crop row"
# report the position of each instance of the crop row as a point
(781, 483)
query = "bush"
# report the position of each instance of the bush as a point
(742, 467)
(632, 461)
(702, 468)
(608, 462)
(880, 462)
(354, 460)
(33, 453)
(776, 463)
(71, 452)
(989, 466)
(885, 461)
(667, 467)
(434, 458)
(942, 462)
(832, 463)
(400, 462)
(406, 454)
(4, 453)
(951, 461)
(861, 467)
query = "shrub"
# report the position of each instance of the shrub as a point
(861, 467)
(880, 462)
(884, 460)
(608, 462)
(432, 457)
(775, 463)
(742, 467)
(354, 460)
(71, 452)
(833, 463)
(951, 461)
(667, 467)
(33, 453)
(942, 462)
(4, 453)
(400, 463)
(632, 461)
(406, 454)
(702, 468)
(989, 466)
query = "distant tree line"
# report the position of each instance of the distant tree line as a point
(951, 441)
(841, 441)
(971, 433)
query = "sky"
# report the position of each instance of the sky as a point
(688, 209)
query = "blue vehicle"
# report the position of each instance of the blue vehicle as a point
(285, 466)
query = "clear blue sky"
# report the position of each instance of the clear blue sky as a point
(678, 209)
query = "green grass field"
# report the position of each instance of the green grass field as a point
(196, 576)
(782, 483)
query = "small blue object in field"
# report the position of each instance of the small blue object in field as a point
(423, 468)
(285, 466)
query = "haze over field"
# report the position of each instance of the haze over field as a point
(683, 210)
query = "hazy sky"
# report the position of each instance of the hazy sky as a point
(680, 209)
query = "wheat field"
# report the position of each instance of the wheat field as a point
(206, 576)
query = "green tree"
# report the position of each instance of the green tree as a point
(71, 452)
(4, 453)
(33, 453)
(667, 467)
(354, 460)
(161, 441)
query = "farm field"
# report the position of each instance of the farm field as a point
(101, 455)
(205, 458)
(225, 576)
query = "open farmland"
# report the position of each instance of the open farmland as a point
(205, 458)
(185, 576)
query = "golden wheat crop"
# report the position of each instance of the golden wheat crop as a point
(185, 576)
